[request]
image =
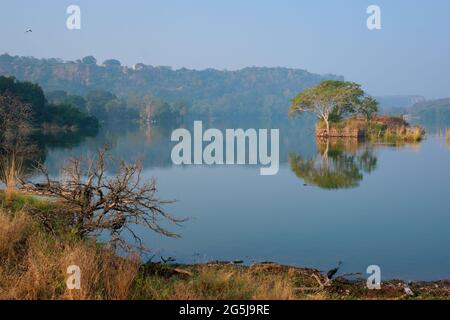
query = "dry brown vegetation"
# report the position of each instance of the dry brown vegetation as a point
(33, 263)
(402, 134)
(11, 172)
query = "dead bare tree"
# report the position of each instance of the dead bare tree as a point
(16, 124)
(98, 202)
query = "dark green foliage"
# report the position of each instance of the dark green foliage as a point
(44, 114)
(102, 105)
(106, 106)
(67, 116)
(27, 92)
(368, 108)
(60, 96)
(96, 103)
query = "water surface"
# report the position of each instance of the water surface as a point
(359, 203)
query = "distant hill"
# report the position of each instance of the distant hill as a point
(398, 103)
(250, 91)
(435, 111)
(439, 104)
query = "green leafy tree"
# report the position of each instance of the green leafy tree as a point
(329, 100)
(368, 108)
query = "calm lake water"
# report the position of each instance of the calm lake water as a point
(357, 203)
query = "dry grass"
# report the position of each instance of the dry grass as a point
(401, 134)
(11, 170)
(13, 231)
(33, 264)
(406, 134)
(219, 283)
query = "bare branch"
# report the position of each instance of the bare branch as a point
(99, 202)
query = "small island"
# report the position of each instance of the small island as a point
(344, 110)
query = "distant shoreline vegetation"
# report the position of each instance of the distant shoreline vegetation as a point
(107, 107)
(29, 124)
(44, 116)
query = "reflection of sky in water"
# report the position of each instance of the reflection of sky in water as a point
(396, 216)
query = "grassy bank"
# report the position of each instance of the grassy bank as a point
(382, 129)
(34, 260)
(400, 134)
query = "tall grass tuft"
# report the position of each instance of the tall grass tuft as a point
(403, 134)
(11, 171)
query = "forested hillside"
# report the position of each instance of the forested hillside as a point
(246, 92)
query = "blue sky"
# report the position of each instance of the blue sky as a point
(410, 55)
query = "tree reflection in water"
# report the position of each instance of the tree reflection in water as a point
(339, 164)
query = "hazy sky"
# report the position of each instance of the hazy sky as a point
(409, 55)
